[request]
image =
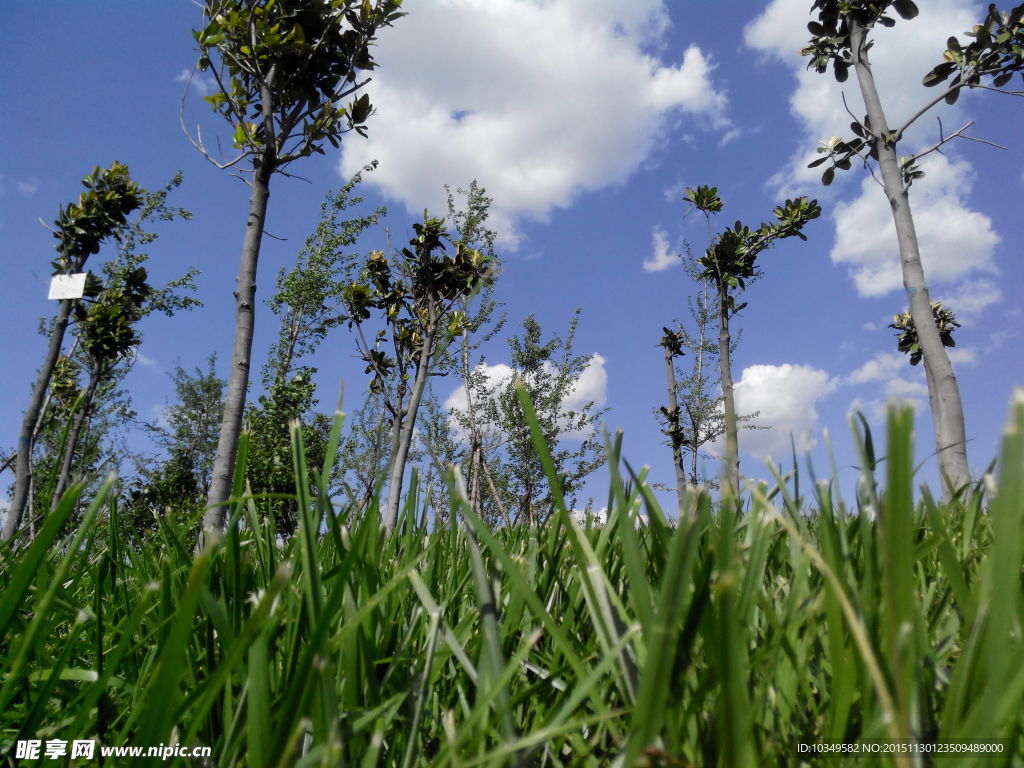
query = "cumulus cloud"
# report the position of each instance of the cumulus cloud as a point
(590, 387)
(882, 367)
(538, 101)
(971, 298)
(784, 396)
(954, 240)
(662, 257)
(890, 375)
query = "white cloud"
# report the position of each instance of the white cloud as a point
(882, 367)
(663, 257)
(954, 241)
(970, 298)
(203, 83)
(590, 387)
(146, 361)
(784, 397)
(538, 101)
(891, 376)
(26, 187)
(963, 355)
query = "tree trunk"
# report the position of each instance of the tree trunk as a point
(23, 462)
(81, 416)
(944, 393)
(732, 445)
(673, 406)
(241, 354)
(405, 436)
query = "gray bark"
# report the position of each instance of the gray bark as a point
(241, 354)
(405, 435)
(23, 461)
(64, 478)
(944, 392)
(732, 444)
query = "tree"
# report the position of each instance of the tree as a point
(694, 415)
(470, 226)
(364, 450)
(516, 485)
(282, 71)
(730, 262)
(308, 304)
(100, 213)
(417, 294)
(841, 38)
(188, 436)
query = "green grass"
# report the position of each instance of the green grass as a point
(724, 638)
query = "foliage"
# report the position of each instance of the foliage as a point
(308, 299)
(549, 371)
(282, 68)
(420, 296)
(308, 304)
(729, 263)
(907, 341)
(714, 639)
(101, 212)
(187, 435)
(732, 257)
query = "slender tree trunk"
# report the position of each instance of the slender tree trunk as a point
(241, 354)
(81, 416)
(704, 314)
(673, 406)
(474, 479)
(732, 445)
(405, 436)
(23, 461)
(944, 392)
(494, 491)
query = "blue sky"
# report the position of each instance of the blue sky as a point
(584, 120)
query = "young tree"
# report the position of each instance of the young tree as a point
(188, 435)
(418, 295)
(694, 415)
(308, 304)
(100, 213)
(106, 321)
(841, 38)
(282, 70)
(731, 261)
(513, 484)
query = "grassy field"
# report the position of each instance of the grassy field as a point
(727, 637)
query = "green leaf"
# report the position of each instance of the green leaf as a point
(906, 8)
(828, 176)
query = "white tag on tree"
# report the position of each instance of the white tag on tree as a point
(67, 286)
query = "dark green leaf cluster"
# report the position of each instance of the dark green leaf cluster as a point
(907, 340)
(731, 260)
(997, 52)
(107, 323)
(672, 341)
(417, 293)
(281, 66)
(101, 212)
(831, 32)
